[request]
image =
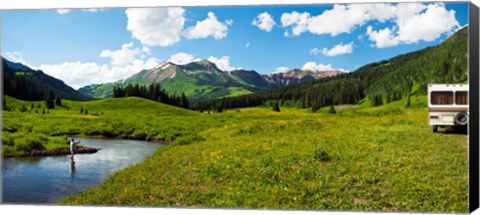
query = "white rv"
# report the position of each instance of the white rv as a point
(447, 105)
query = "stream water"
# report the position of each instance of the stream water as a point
(45, 180)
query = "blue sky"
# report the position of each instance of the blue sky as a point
(82, 47)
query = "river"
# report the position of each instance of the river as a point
(45, 180)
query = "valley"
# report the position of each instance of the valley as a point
(327, 140)
(360, 158)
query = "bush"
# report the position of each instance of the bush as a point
(7, 139)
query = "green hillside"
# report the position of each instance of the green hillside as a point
(25, 83)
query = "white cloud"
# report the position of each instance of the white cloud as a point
(298, 21)
(340, 19)
(316, 67)
(314, 51)
(415, 22)
(124, 62)
(182, 58)
(382, 38)
(208, 27)
(222, 63)
(125, 55)
(428, 26)
(338, 49)
(247, 45)
(281, 69)
(156, 26)
(15, 57)
(264, 22)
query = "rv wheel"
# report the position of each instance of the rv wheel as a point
(434, 128)
(461, 118)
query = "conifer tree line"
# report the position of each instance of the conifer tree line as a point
(153, 92)
(20, 88)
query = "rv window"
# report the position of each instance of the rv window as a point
(461, 98)
(442, 98)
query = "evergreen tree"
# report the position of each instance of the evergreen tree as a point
(86, 111)
(58, 101)
(81, 110)
(315, 106)
(276, 107)
(49, 100)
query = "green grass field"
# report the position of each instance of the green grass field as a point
(361, 158)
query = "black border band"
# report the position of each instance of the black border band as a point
(474, 190)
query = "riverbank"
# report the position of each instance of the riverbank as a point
(47, 179)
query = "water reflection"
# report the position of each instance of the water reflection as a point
(45, 180)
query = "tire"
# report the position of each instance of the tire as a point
(461, 118)
(434, 128)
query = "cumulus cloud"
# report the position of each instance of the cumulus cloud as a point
(264, 21)
(165, 26)
(209, 27)
(281, 69)
(340, 19)
(125, 55)
(182, 58)
(382, 38)
(415, 22)
(312, 66)
(156, 26)
(338, 49)
(222, 63)
(125, 62)
(298, 21)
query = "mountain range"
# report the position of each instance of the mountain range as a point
(204, 80)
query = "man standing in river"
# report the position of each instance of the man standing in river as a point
(72, 148)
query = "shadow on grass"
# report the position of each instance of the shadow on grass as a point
(455, 130)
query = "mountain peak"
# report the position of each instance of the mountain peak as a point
(202, 65)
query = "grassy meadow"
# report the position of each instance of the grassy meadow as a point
(362, 158)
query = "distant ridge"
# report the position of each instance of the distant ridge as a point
(204, 80)
(24, 83)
